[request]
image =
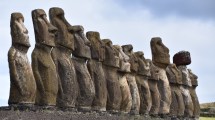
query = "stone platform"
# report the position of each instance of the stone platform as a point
(7, 113)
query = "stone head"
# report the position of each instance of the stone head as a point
(143, 65)
(193, 77)
(19, 33)
(174, 75)
(97, 46)
(111, 54)
(140, 54)
(44, 31)
(124, 64)
(160, 53)
(128, 50)
(182, 58)
(65, 32)
(82, 44)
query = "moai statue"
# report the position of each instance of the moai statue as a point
(196, 106)
(182, 59)
(124, 69)
(42, 64)
(175, 79)
(22, 82)
(81, 55)
(135, 108)
(94, 66)
(142, 76)
(110, 67)
(61, 54)
(153, 86)
(161, 59)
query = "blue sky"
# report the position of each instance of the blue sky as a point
(182, 25)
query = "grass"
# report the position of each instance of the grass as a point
(207, 118)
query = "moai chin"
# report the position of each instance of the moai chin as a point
(42, 64)
(160, 58)
(177, 105)
(80, 56)
(124, 69)
(110, 67)
(128, 50)
(23, 85)
(186, 81)
(61, 54)
(96, 71)
(142, 76)
(196, 106)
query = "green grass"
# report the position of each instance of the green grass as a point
(207, 118)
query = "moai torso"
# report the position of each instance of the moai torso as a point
(23, 85)
(196, 106)
(128, 49)
(42, 64)
(96, 71)
(152, 82)
(110, 67)
(142, 76)
(61, 54)
(124, 69)
(177, 104)
(182, 59)
(81, 54)
(160, 58)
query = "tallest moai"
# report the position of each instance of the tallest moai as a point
(42, 64)
(161, 59)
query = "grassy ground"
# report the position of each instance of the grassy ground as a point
(207, 118)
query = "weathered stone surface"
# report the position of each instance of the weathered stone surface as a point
(142, 76)
(155, 95)
(188, 103)
(61, 54)
(67, 115)
(82, 44)
(160, 53)
(160, 58)
(110, 67)
(86, 85)
(177, 105)
(81, 54)
(195, 100)
(22, 82)
(128, 50)
(42, 64)
(96, 71)
(122, 72)
(182, 58)
(111, 56)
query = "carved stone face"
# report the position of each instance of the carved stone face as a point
(160, 53)
(44, 31)
(111, 54)
(124, 65)
(128, 50)
(143, 65)
(174, 75)
(64, 35)
(193, 78)
(19, 32)
(82, 44)
(97, 46)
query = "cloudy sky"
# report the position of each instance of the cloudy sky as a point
(182, 25)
